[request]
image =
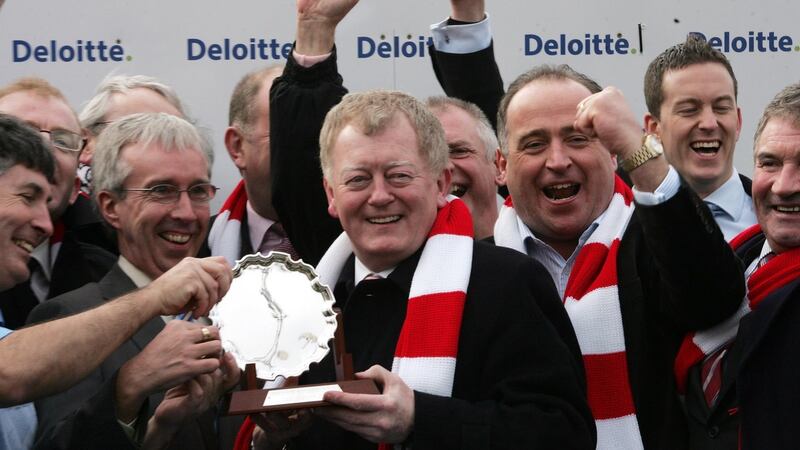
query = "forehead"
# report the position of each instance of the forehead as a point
(703, 80)
(545, 104)
(780, 137)
(138, 100)
(397, 140)
(154, 162)
(18, 176)
(46, 112)
(456, 120)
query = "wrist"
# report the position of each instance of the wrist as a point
(127, 397)
(315, 37)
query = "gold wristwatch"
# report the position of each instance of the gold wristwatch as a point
(651, 148)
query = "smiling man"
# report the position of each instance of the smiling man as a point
(631, 267)
(691, 93)
(151, 183)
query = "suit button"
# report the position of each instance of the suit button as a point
(713, 432)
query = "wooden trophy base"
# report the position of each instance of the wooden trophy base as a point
(290, 398)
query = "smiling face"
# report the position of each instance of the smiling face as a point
(155, 236)
(50, 113)
(383, 192)
(776, 183)
(25, 221)
(560, 180)
(474, 173)
(699, 124)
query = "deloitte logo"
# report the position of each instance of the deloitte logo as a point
(80, 51)
(588, 44)
(395, 47)
(753, 42)
(227, 50)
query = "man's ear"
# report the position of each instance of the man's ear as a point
(331, 200)
(502, 168)
(76, 190)
(443, 185)
(652, 125)
(233, 143)
(108, 205)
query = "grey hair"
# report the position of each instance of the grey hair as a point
(169, 132)
(97, 107)
(484, 127)
(785, 105)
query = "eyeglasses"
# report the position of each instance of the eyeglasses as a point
(65, 140)
(167, 193)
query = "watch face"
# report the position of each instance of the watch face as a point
(276, 315)
(653, 142)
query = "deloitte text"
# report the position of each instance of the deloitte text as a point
(753, 42)
(81, 51)
(254, 49)
(394, 48)
(588, 44)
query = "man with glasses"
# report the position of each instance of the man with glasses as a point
(151, 185)
(73, 255)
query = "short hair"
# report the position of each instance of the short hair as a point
(21, 144)
(37, 85)
(561, 72)
(695, 50)
(97, 107)
(785, 105)
(242, 109)
(169, 132)
(371, 112)
(484, 127)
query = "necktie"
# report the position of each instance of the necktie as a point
(39, 283)
(711, 374)
(275, 239)
(716, 211)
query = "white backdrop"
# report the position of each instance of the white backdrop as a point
(183, 43)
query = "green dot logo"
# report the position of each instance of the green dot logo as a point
(633, 51)
(129, 58)
(797, 48)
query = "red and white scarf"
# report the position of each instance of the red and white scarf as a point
(592, 302)
(225, 238)
(776, 273)
(425, 355)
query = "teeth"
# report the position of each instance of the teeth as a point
(176, 237)
(788, 208)
(24, 245)
(458, 190)
(561, 191)
(380, 220)
(706, 147)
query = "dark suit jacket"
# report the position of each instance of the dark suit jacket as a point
(83, 417)
(84, 257)
(518, 381)
(665, 289)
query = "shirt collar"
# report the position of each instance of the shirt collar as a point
(362, 271)
(42, 256)
(139, 278)
(530, 239)
(730, 197)
(257, 226)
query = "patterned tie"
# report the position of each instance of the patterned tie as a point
(711, 374)
(275, 239)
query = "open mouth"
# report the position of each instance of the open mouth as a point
(175, 238)
(706, 148)
(383, 220)
(562, 191)
(458, 190)
(787, 209)
(25, 245)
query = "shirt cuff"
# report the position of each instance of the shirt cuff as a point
(462, 39)
(129, 429)
(308, 61)
(665, 191)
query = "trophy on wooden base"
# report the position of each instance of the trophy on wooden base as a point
(276, 320)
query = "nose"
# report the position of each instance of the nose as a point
(184, 209)
(557, 158)
(787, 182)
(381, 192)
(708, 119)
(41, 222)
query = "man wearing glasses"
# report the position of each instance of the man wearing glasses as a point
(151, 184)
(68, 260)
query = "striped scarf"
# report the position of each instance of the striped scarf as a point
(780, 270)
(591, 299)
(425, 355)
(224, 238)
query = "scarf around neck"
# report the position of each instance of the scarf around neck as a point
(225, 237)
